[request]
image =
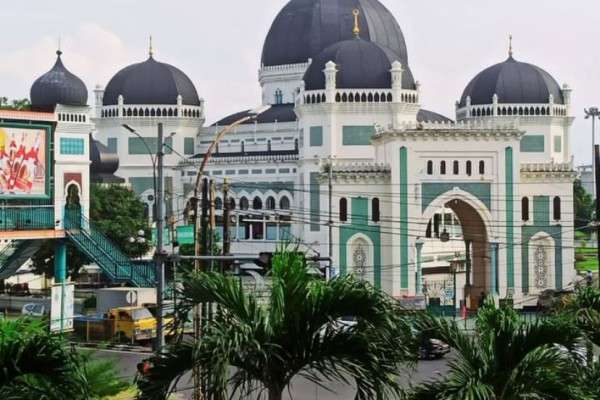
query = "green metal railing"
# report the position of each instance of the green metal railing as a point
(26, 217)
(113, 262)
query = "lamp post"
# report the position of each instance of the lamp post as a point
(593, 113)
(457, 265)
(158, 182)
(198, 227)
(140, 239)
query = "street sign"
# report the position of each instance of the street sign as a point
(61, 309)
(131, 298)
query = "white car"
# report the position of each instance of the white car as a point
(33, 310)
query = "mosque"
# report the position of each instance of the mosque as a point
(346, 162)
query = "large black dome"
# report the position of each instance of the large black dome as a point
(360, 64)
(515, 83)
(58, 86)
(150, 82)
(304, 28)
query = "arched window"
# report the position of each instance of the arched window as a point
(481, 167)
(343, 209)
(525, 209)
(278, 96)
(257, 203)
(443, 168)
(232, 203)
(244, 203)
(284, 203)
(455, 168)
(557, 209)
(270, 203)
(430, 167)
(218, 204)
(375, 211)
(469, 168)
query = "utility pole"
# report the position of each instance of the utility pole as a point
(160, 270)
(330, 176)
(226, 216)
(200, 229)
(593, 113)
(597, 174)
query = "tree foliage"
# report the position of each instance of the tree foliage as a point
(117, 212)
(505, 359)
(37, 365)
(18, 104)
(584, 205)
(298, 331)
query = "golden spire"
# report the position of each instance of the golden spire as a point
(151, 49)
(510, 47)
(356, 29)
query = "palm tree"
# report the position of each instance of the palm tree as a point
(259, 346)
(585, 308)
(37, 365)
(505, 358)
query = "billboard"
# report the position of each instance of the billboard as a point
(23, 161)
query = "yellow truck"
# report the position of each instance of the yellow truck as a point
(125, 324)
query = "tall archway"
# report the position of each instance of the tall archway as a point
(473, 242)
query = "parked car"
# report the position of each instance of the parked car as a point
(433, 349)
(33, 310)
(551, 298)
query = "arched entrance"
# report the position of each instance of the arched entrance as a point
(471, 240)
(73, 205)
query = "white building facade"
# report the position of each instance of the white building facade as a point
(345, 110)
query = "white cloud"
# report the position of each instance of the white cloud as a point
(90, 51)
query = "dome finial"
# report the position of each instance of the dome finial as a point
(58, 50)
(150, 48)
(356, 29)
(510, 46)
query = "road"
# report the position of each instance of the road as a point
(301, 389)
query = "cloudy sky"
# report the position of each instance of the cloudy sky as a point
(218, 44)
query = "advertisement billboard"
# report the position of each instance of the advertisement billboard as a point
(24, 161)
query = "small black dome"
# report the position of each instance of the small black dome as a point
(150, 82)
(360, 64)
(515, 83)
(58, 86)
(304, 28)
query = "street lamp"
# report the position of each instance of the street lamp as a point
(593, 113)
(157, 164)
(457, 266)
(197, 243)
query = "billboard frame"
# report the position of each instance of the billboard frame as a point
(49, 160)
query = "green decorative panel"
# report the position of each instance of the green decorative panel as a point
(360, 225)
(357, 135)
(113, 145)
(532, 144)
(541, 210)
(510, 217)
(557, 144)
(315, 202)
(137, 146)
(555, 232)
(432, 190)
(404, 250)
(188, 146)
(316, 136)
(72, 146)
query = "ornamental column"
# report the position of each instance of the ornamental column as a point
(493, 289)
(418, 273)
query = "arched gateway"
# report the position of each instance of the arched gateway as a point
(472, 243)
